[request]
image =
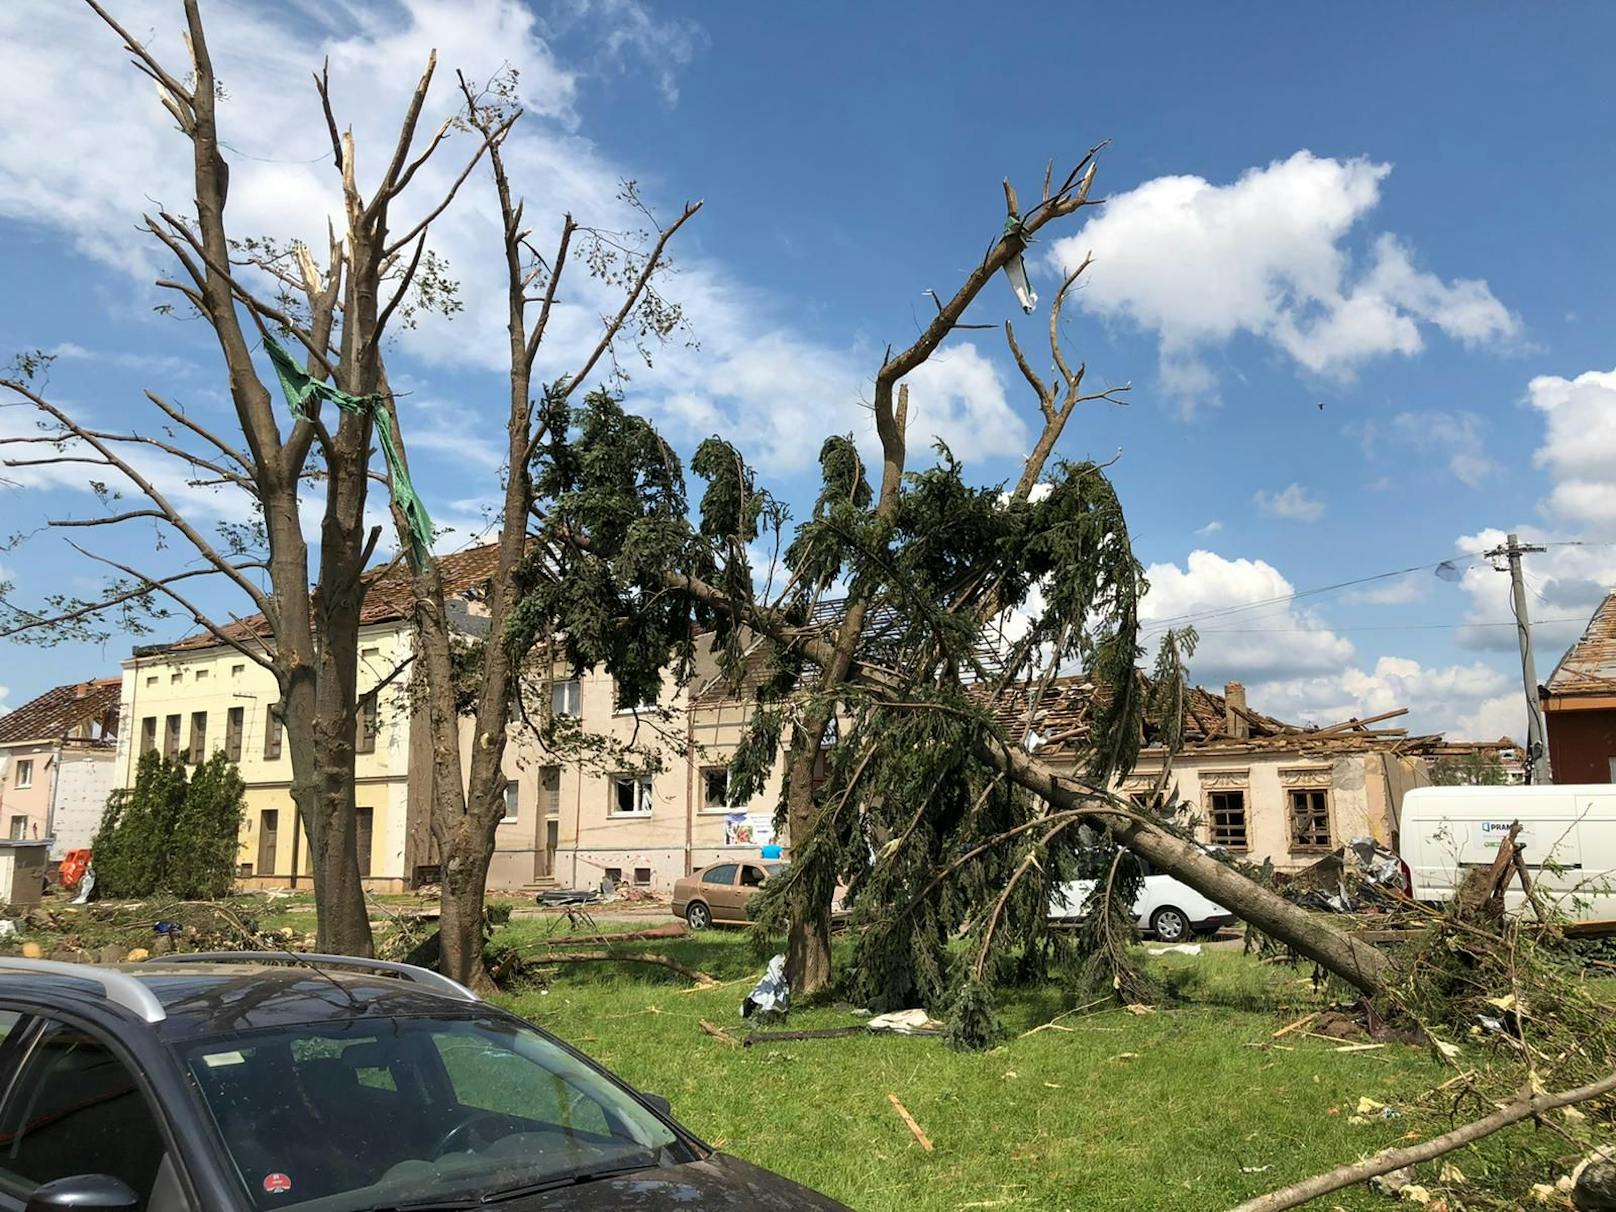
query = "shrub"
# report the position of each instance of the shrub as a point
(171, 834)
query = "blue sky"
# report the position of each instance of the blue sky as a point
(1400, 213)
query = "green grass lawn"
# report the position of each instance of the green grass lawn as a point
(1170, 1110)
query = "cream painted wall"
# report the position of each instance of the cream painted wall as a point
(215, 680)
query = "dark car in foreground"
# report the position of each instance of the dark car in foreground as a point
(326, 1084)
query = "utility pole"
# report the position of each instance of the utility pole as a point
(1537, 744)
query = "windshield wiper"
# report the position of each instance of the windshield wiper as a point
(571, 1178)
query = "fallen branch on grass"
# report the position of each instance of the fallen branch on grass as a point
(903, 1113)
(619, 957)
(718, 1033)
(1524, 1106)
(674, 930)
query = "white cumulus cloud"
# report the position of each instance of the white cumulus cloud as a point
(1267, 256)
(1455, 437)
(1291, 503)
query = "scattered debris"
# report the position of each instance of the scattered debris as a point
(771, 997)
(1175, 949)
(1295, 1026)
(903, 1114)
(1359, 876)
(906, 1022)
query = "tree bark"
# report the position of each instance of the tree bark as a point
(808, 957)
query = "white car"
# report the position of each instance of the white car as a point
(1166, 907)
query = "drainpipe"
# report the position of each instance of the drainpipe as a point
(690, 787)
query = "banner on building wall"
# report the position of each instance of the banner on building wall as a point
(748, 829)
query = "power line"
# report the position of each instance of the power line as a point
(1324, 629)
(1219, 612)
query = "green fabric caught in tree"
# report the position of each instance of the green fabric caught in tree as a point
(301, 388)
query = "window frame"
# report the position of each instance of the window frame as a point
(735, 875)
(274, 736)
(24, 766)
(148, 744)
(722, 808)
(1212, 823)
(512, 797)
(1297, 846)
(567, 688)
(235, 726)
(645, 794)
(367, 723)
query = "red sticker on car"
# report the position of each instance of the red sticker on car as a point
(277, 1182)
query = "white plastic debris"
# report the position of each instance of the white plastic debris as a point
(1175, 949)
(904, 1022)
(8, 929)
(771, 996)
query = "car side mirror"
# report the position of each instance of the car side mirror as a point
(84, 1193)
(655, 1101)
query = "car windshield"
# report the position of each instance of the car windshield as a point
(383, 1112)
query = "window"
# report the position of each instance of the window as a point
(174, 678)
(201, 675)
(199, 737)
(631, 795)
(642, 877)
(235, 720)
(75, 1109)
(1310, 818)
(752, 877)
(237, 670)
(171, 736)
(268, 840)
(272, 737)
(723, 874)
(550, 790)
(565, 699)
(19, 827)
(25, 773)
(365, 725)
(623, 708)
(364, 833)
(148, 735)
(513, 801)
(715, 789)
(614, 875)
(151, 679)
(1228, 812)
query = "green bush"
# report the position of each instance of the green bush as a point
(171, 834)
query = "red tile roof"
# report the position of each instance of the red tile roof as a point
(387, 595)
(57, 712)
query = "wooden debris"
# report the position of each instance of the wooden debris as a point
(719, 1033)
(1483, 887)
(903, 1114)
(1296, 1026)
(1526, 1105)
(775, 1037)
(672, 930)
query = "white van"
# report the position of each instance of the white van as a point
(1568, 834)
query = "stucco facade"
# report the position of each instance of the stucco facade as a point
(57, 764)
(196, 700)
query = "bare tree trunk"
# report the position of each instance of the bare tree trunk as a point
(808, 958)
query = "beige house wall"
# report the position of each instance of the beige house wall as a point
(1364, 793)
(213, 681)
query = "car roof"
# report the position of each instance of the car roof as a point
(210, 998)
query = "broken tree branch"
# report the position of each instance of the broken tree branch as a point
(1524, 1106)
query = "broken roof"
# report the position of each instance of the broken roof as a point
(1062, 717)
(58, 712)
(387, 596)
(1589, 665)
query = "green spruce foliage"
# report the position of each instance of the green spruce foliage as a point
(172, 834)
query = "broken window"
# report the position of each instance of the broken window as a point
(1310, 818)
(513, 800)
(642, 877)
(1227, 810)
(631, 795)
(715, 789)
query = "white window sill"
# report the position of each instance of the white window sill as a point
(631, 816)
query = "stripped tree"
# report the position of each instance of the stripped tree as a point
(468, 797)
(967, 826)
(248, 290)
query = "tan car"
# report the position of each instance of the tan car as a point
(717, 894)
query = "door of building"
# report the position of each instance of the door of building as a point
(268, 834)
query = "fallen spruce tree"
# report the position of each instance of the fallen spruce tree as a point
(881, 704)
